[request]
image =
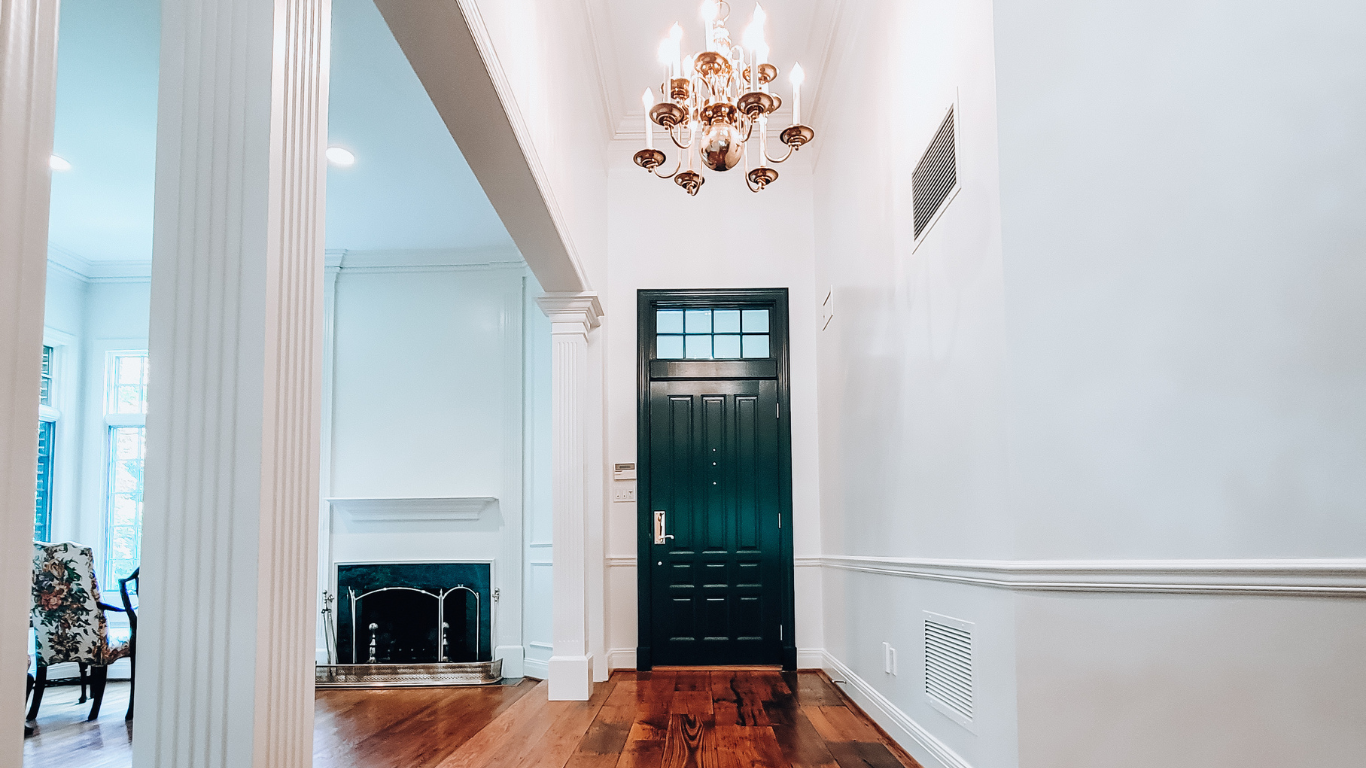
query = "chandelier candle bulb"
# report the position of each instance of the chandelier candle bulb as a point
(710, 10)
(648, 99)
(676, 50)
(797, 77)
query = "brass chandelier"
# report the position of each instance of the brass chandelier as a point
(715, 98)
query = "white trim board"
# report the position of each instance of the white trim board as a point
(903, 729)
(424, 509)
(1343, 578)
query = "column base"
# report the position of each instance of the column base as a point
(571, 678)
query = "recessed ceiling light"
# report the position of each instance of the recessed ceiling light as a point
(58, 164)
(339, 156)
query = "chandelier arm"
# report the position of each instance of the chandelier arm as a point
(784, 158)
(678, 165)
(674, 139)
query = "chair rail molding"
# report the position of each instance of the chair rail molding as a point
(232, 499)
(28, 84)
(414, 509)
(1342, 578)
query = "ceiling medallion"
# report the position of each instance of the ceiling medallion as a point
(715, 98)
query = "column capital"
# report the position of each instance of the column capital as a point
(572, 307)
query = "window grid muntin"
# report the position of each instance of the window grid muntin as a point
(45, 388)
(692, 333)
(42, 506)
(127, 388)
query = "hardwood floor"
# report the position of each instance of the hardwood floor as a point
(668, 718)
(64, 738)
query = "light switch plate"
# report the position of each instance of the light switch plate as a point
(623, 492)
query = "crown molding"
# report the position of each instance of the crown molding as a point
(1285, 577)
(85, 270)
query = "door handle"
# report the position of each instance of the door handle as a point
(660, 535)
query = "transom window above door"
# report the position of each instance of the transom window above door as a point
(718, 333)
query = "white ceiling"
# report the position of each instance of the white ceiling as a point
(409, 189)
(627, 35)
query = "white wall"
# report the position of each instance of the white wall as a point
(85, 318)
(546, 51)
(725, 237)
(912, 367)
(427, 401)
(1135, 334)
(1182, 189)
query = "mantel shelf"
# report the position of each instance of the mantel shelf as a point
(416, 509)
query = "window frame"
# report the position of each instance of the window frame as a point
(114, 421)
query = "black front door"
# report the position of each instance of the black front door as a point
(714, 487)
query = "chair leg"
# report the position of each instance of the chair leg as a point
(39, 683)
(84, 679)
(98, 677)
(132, 684)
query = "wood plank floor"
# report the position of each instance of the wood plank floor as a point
(682, 718)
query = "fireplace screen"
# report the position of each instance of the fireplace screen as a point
(413, 613)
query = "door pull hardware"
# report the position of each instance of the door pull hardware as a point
(660, 535)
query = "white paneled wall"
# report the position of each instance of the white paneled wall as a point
(440, 388)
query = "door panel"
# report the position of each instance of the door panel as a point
(714, 471)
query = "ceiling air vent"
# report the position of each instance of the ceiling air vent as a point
(935, 175)
(948, 666)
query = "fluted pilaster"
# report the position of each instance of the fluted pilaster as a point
(28, 69)
(227, 635)
(572, 316)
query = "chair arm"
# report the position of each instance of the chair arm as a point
(109, 607)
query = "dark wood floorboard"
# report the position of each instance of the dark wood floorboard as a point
(674, 718)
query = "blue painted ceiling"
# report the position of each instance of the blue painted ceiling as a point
(409, 189)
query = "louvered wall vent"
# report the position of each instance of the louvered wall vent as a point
(935, 175)
(948, 666)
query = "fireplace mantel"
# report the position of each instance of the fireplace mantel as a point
(414, 509)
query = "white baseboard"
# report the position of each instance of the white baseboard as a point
(537, 668)
(810, 658)
(912, 736)
(621, 658)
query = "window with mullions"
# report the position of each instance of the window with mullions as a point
(125, 413)
(730, 333)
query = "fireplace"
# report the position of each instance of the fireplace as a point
(413, 613)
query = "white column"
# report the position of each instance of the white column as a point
(28, 79)
(231, 489)
(571, 315)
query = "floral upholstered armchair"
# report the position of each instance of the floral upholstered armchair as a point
(68, 617)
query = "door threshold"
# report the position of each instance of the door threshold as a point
(722, 667)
